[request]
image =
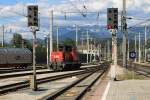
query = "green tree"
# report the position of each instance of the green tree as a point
(27, 44)
(40, 53)
(69, 42)
(17, 40)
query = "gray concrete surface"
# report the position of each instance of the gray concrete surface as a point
(129, 90)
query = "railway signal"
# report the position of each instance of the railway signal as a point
(112, 18)
(32, 15)
(33, 25)
(112, 26)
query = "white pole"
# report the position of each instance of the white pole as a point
(115, 52)
(76, 35)
(94, 49)
(135, 48)
(57, 37)
(34, 83)
(82, 46)
(87, 46)
(139, 48)
(124, 34)
(51, 32)
(114, 55)
(91, 51)
(120, 49)
(128, 50)
(47, 49)
(145, 47)
(3, 29)
(100, 52)
(105, 51)
(143, 53)
(108, 50)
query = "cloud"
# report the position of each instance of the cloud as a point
(13, 13)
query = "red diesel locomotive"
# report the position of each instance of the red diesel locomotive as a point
(65, 58)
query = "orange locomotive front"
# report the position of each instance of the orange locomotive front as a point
(65, 58)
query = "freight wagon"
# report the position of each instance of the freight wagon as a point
(15, 57)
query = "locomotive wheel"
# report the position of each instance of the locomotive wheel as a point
(78, 66)
(54, 67)
(57, 67)
(61, 68)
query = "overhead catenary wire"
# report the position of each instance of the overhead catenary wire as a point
(83, 14)
(140, 23)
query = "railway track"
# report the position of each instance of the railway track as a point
(12, 70)
(26, 83)
(25, 73)
(139, 69)
(143, 72)
(40, 67)
(40, 71)
(77, 89)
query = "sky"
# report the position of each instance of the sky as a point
(12, 13)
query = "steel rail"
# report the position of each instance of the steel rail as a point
(92, 76)
(24, 84)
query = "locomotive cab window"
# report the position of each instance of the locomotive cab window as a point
(61, 48)
(68, 48)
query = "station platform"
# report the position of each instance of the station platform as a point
(125, 89)
(128, 90)
(142, 63)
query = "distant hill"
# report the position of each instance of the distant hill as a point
(97, 32)
(94, 31)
